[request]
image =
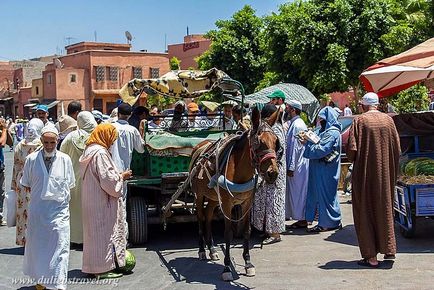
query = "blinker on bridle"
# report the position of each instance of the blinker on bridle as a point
(259, 157)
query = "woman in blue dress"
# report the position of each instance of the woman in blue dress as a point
(324, 172)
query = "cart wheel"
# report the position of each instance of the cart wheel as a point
(138, 225)
(408, 234)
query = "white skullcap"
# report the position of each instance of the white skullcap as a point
(50, 128)
(370, 99)
(295, 104)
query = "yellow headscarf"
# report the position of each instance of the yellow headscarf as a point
(104, 135)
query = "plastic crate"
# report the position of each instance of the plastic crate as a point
(162, 164)
(138, 163)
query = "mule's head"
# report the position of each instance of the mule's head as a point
(265, 145)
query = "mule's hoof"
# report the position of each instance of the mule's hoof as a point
(214, 256)
(227, 276)
(250, 272)
(202, 256)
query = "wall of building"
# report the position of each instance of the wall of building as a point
(70, 86)
(38, 88)
(83, 46)
(6, 76)
(22, 97)
(87, 88)
(187, 52)
(29, 70)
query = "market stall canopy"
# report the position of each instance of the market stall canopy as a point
(310, 104)
(394, 74)
(179, 84)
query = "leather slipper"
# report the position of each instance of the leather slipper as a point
(389, 257)
(365, 263)
(297, 225)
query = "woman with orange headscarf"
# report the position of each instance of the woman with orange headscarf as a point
(104, 229)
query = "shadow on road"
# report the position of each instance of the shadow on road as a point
(345, 236)
(19, 251)
(187, 237)
(76, 273)
(193, 271)
(421, 243)
(352, 265)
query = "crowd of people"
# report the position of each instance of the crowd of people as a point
(69, 179)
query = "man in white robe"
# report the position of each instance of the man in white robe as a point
(129, 139)
(73, 145)
(48, 175)
(297, 169)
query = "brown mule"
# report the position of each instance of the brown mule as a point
(254, 150)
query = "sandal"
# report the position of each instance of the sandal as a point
(297, 225)
(320, 229)
(108, 275)
(271, 240)
(40, 287)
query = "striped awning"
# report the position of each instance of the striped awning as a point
(310, 103)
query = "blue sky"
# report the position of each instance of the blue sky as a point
(31, 28)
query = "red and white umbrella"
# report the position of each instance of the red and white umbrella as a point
(394, 74)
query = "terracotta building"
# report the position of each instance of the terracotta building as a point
(6, 88)
(193, 46)
(93, 73)
(16, 83)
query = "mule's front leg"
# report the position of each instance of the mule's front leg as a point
(227, 273)
(200, 220)
(248, 266)
(209, 213)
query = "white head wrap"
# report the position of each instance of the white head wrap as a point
(86, 121)
(295, 104)
(33, 131)
(50, 128)
(370, 99)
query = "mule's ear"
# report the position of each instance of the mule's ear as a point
(256, 117)
(274, 117)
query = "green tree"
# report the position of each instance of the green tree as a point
(411, 100)
(326, 44)
(413, 24)
(237, 48)
(175, 63)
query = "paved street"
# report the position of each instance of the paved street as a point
(300, 261)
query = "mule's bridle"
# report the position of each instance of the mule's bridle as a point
(259, 157)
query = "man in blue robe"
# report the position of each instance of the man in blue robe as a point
(324, 172)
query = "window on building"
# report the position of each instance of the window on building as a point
(49, 79)
(72, 78)
(100, 73)
(137, 72)
(113, 73)
(37, 90)
(154, 72)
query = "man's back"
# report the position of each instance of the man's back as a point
(129, 139)
(375, 139)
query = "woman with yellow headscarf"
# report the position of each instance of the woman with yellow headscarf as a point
(104, 228)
